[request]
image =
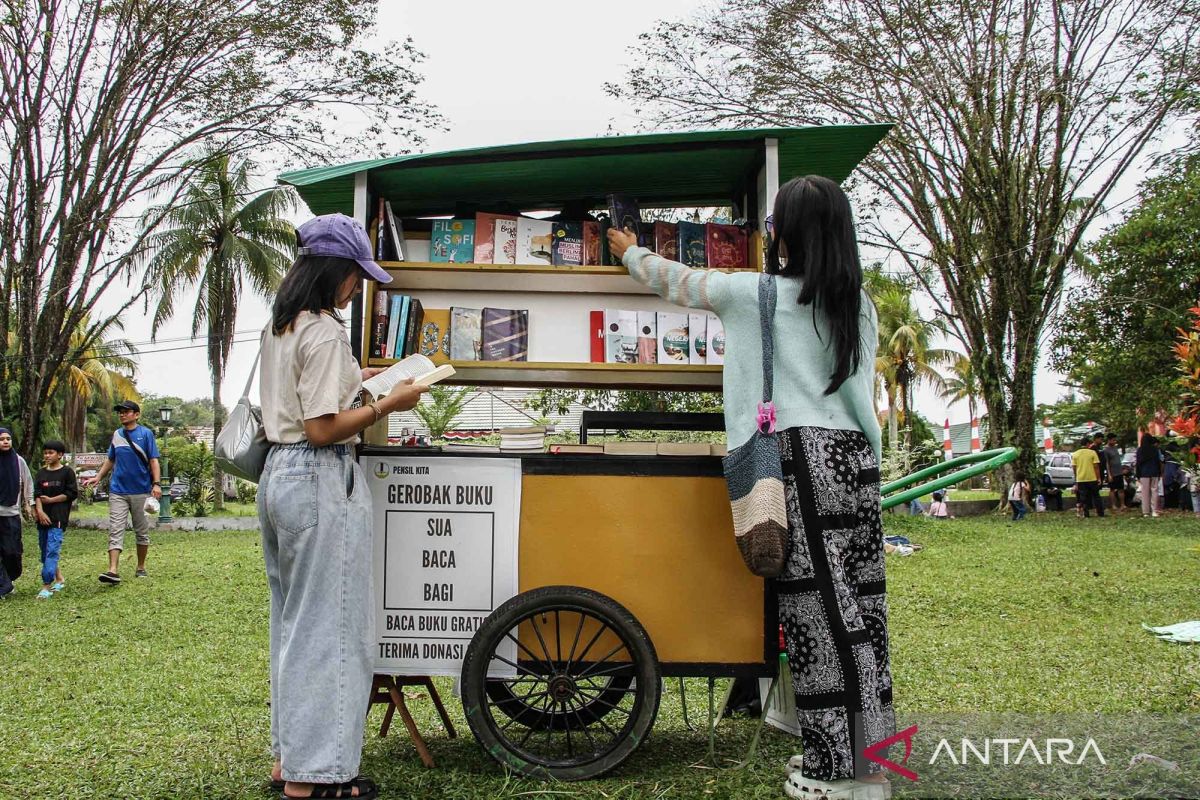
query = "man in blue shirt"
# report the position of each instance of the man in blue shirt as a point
(133, 462)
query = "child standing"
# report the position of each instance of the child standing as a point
(1016, 497)
(54, 489)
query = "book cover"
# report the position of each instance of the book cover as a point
(379, 323)
(413, 331)
(726, 246)
(505, 334)
(397, 302)
(596, 334)
(672, 338)
(606, 256)
(620, 337)
(466, 334)
(395, 232)
(534, 240)
(504, 241)
(692, 244)
(647, 336)
(566, 248)
(452, 241)
(485, 236)
(716, 340)
(624, 213)
(435, 335)
(698, 336)
(591, 243)
(401, 328)
(666, 240)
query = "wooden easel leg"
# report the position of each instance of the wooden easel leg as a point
(411, 724)
(437, 703)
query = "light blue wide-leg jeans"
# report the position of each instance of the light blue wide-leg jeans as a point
(315, 511)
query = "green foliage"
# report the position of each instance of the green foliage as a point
(193, 463)
(197, 413)
(1116, 336)
(557, 401)
(247, 492)
(442, 408)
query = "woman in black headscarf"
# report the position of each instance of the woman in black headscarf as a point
(16, 496)
(1149, 465)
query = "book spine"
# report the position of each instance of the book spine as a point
(698, 338)
(379, 329)
(415, 317)
(597, 338)
(379, 237)
(397, 301)
(394, 229)
(401, 328)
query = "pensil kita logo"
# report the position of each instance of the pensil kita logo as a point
(382, 470)
(1007, 751)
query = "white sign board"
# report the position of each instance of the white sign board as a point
(445, 556)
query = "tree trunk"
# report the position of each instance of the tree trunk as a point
(893, 435)
(218, 421)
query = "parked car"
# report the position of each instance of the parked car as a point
(179, 488)
(1058, 467)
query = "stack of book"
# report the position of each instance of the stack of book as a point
(489, 334)
(530, 439)
(656, 337)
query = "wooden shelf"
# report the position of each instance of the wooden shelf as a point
(424, 276)
(681, 377)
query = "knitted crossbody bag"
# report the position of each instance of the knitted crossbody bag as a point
(753, 471)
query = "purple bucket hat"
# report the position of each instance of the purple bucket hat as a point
(340, 236)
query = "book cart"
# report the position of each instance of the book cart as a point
(625, 568)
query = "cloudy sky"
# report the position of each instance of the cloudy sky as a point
(495, 84)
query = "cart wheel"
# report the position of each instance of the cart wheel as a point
(586, 688)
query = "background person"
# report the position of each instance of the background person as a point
(1018, 496)
(825, 330)
(1116, 474)
(54, 489)
(133, 462)
(1086, 464)
(315, 513)
(16, 498)
(1148, 464)
(1051, 494)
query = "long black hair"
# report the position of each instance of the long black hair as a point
(310, 285)
(815, 227)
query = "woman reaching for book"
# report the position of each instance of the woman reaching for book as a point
(832, 601)
(314, 509)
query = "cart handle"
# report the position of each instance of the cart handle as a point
(983, 462)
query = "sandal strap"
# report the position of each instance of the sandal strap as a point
(341, 791)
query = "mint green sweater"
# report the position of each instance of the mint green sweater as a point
(803, 363)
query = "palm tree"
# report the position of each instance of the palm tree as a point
(219, 233)
(905, 359)
(962, 383)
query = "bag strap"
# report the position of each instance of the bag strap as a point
(133, 446)
(254, 366)
(766, 314)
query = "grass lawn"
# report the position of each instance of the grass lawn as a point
(158, 688)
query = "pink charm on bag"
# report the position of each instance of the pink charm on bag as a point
(766, 416)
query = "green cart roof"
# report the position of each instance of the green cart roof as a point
(690, 168)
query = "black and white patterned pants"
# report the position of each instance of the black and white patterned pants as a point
(833, 602)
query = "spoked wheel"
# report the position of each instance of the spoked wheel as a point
(586, 686)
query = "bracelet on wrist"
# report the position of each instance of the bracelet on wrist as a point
(378, 414)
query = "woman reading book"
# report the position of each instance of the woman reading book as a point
(832, 602)
(314, 509)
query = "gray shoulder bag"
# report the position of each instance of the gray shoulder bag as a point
(241, 448)
(754, 471)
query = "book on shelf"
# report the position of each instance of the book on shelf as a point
(647, 337)
(606, 256)
(596, 336)
(569, 449)
(435, 335)
(591, 243)
(624, 213)
(522, 430)
(418, 367)
(401, 328)
(692, 244)
(379, 235)
(697, 337)
(527, 439)
(620, 335)
(452, 241)
(505, 334)
(716, 340)
(396, 300)
(630, 448)
(566, 248)
(413, 329)
(504, 240)
(684, 449)
(672, 338)
(485, 236)
(395, 231)
(466, 333)
(666, 240)
(534, 240)
(379, 323)
(468, 448)
(726, 246)
(721, 450)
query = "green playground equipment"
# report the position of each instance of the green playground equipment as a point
(975, 463)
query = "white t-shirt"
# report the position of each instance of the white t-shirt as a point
(1017, 491)
(307, 372)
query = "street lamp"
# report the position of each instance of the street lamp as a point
(164, 503)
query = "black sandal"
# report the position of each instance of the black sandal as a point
(336, 791)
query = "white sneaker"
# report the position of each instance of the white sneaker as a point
(802, 788)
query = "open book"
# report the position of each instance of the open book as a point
(416, 366)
